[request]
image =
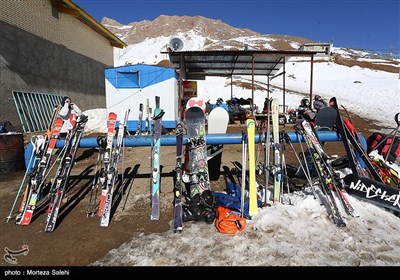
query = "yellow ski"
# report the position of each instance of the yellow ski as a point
(251, 129)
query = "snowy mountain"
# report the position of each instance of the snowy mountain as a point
(215, 33)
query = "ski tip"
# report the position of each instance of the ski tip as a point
(158, 113)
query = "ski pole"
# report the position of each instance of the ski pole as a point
(244, 158)
(267, 155)
(287, 179)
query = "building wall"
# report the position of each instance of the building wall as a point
(324, 49)
(41, 19)
(154, 81)
(40, 53)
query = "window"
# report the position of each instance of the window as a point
(54, 11)
(128, 79)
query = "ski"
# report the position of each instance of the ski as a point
(251, 130)
(326, 177)
(112, 173)
(92, 208)
(347, 139)
(112, 119)
(148, 125)
(36, 183)
(62, 177)
(178, 225)
(38, 143)
(155, 183)
(139, 128)
(277, 166)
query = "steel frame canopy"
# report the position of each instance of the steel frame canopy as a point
(196, 65)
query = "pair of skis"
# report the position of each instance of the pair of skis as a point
(249, 139)
(39, 171)
(60, 182)
(333, 188)
(111, 159)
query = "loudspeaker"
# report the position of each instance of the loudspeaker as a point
(175, 44)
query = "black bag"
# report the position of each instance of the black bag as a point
(6, 126)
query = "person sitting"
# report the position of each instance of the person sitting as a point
(267, 106)
(319, 103)
(237, 110)
(65, 112)
(304, 111)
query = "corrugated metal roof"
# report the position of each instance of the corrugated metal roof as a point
(195, 65)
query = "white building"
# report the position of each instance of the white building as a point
(129, 86)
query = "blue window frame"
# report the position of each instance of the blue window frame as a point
(127, 79)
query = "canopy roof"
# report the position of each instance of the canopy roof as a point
(196, 65)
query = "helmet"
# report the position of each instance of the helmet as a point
(64, 99)
(304, 102)
(317, 97)
(194, 211)
(207, 199)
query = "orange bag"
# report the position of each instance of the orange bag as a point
(228, 222)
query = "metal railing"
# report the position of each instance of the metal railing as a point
(35, 109)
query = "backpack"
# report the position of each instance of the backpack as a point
(232, 198)
(201, 207)
(383, 148)
(228, 221)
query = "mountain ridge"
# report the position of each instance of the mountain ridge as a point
(214, 30)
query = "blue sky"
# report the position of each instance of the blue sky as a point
(373, 25)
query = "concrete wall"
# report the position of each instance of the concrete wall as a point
(32, 64)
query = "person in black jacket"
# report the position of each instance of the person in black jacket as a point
(304, 111)
(319, 103)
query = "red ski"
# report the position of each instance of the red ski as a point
(37, 182)
(112, 119)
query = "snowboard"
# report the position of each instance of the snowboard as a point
(217, 123)
(196, 102)
(197, 164)
(325, 118)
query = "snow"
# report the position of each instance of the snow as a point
(299, 234)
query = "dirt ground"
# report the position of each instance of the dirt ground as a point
(78, 240)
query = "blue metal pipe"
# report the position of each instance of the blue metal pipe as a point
(170, 140)
(211, 139)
